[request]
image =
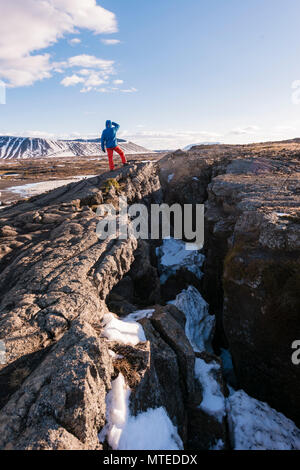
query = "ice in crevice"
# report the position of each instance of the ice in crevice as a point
(150, 430)
(228, 369)
(200, 324)
(213, 402)
(174, 255)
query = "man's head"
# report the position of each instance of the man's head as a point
(108, 124)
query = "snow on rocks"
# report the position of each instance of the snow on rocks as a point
(254, 425)
(213, 401)
(122, 331)
(150, 430)
(35, 189)
(174, 255)
(117, 412)
(138, 315)
(200, 324)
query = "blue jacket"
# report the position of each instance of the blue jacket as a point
(109, 136)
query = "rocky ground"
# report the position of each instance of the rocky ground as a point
(95, 353)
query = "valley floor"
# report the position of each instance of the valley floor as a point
(18, 173)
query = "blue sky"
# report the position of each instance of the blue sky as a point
(179, 72)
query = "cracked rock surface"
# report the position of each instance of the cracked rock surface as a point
(58, 281)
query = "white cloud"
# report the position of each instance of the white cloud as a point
(72, 80)
(249, 130)
(35, 134)
(130, 90)
(24, 71)
(94, 80)
(90, 61)
(295, 84)
(285, 128)
(169, 139)
(84, 72)
(28, 26)
(103, 90)
(97, 72)
(48, 135)
(74, 41)
(110, 42)
(90, 82)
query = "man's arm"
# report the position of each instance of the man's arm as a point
(103, 141)
(116, 126)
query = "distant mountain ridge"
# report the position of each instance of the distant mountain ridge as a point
(31, 147)
(188, 147)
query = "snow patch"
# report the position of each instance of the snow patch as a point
(117, 402)
(35, 189)
(150, 430)
(200, 324)
(114, 355)
(213, 402)
(121, 331)
(254, 425)
(138, 315)
(174, 255)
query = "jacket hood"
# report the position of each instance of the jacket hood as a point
(108, 124)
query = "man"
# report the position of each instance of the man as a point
(109, 140)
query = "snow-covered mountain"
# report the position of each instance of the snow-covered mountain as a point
(28, 147)
(188, 147)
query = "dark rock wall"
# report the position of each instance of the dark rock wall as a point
(252, 247)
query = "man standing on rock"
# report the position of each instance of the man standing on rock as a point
(109, 140)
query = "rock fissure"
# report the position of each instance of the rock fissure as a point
(251, 244)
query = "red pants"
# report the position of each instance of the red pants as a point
(110, 153)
